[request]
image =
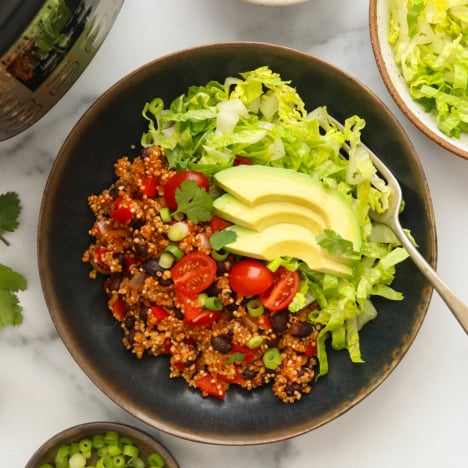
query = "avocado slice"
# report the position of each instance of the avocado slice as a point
(261, 216)
(286, 239)
(255, 185)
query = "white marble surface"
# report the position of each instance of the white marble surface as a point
(416, 419)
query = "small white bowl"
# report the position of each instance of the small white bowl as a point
(379, 14)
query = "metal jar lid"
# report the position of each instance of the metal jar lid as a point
(45, 46)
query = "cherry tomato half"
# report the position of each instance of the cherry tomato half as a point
(250, 277)
(242, 160)
(194, 314)
(176, 180)
(282, 291)
(193, 273)
(218, 224)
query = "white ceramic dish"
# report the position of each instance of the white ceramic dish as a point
(393, 79)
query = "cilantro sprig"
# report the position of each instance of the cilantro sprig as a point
(332, 242)
(9, 211)
(11, 312)
(194, 202)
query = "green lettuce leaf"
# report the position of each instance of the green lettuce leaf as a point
(430, 43)
(261, 117)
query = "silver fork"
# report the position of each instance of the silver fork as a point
(391, 219)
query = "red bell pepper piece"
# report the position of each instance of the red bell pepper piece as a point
(158, 313)
(210, 385)
(149, 186)
(121, 215)
(118, 309)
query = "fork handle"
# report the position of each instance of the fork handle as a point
(454, 303)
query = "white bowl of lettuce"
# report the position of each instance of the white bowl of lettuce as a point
(421, 55)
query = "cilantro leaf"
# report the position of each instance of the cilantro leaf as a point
(221, 238)
(11, 280)
(236, 357)
(193, 201)
(336, 245)
(10, 310)
(10, 209)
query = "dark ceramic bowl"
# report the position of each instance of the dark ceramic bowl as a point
(111, 128)
(145, 443)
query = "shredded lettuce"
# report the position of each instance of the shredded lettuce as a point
(262, 117)
(430, 43)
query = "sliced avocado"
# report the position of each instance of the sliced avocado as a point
(261, 216)
(285, 239)
(256, 184)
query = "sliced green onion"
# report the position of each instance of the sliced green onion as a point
(98, 441)
(255, 307)
(209, 302)
(118, 461)
(111, 438)
(136, 463)
(125, 441)
(177, 231)
(175, 251)
(113, 450)
(130, 451)
(166, 260)
(156, 461)
(62, 456)
(219, 255)
(74, 448)
(272, 358)
(105, 462)
(255, 342)
(165, 214)
(77, 460)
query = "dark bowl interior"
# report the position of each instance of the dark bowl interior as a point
(145, 443)
(111, 128)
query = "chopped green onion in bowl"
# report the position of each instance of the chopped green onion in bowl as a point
(102, 445)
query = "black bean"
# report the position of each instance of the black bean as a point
(221, 344)
(120, 257)
(232, 306)
(136, 222)
(301, 329)
(279, 321)
(220, 268)
(114, 192)
(129, 322)
(178, 314)
(131, 337)
(273, 342)
(212, 290)
(151, 266)
(249, 373)
(144, 314)
(164, 281)
(140, 248)
(292, 388)
(114, 281)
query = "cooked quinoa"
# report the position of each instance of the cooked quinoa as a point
(141, 295)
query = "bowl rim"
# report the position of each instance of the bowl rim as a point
(415, 114)
(168, 427)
